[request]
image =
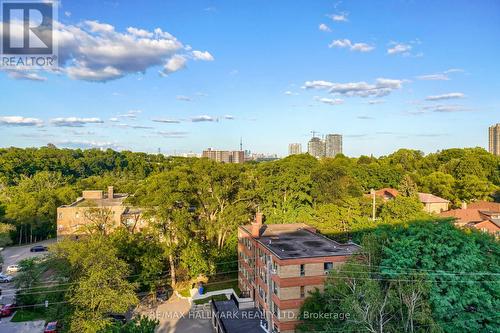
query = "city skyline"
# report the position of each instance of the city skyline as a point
(344, 68)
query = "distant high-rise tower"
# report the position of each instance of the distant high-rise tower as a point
(294, 148)
(333, 145)
(316, 147)
(494, 139)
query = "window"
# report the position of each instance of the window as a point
(77, 214)
(275, 268)
(302, 270)
(276, 310)
(327, 266)
(275, 288)
(302, 292)
(59, 215)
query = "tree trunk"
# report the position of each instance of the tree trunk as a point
(172, 270)
(20, 234)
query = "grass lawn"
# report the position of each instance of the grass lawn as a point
(28, 315)
(215, 298)
(221, 285)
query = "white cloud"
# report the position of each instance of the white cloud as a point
(434, 77)
(445, 108)
(324, 27)
(25, 75)
(400, 48)
(114, 120)
(74, 121)
(445, 96)
(131, 114)
(67, 13)
(83, 144)
(20, 121)
(205, 56)
(202, 118)
(443, 76)
(183, 98)
(174, 64)
(346, 43)
(376, 101)
(173, 135)
(381, 87)
(340, 17)
(166, 121)
(229, 117)
(95, 51)
(318, 84)
(140, 32)
(330, 101)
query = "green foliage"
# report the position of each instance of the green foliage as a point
(99, 284)
(402, 208)
(419, 277)
(140, 324)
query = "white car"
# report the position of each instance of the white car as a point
(13, 268)
(5, 278)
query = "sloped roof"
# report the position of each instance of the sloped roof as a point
(464, 215)
(485, 205)
(431, 198)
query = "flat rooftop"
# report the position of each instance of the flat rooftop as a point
(292, 241)
(117, 200)
(236, 320)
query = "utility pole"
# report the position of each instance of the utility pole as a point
(241, 143)
(372, 192)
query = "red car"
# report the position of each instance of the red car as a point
(6, 310)
(51, 327)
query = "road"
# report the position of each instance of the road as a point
(13, 255)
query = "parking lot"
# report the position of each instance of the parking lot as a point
(13, 255)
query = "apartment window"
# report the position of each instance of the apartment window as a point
(327, 266)
(275, 288)
(276, 310)
(275, 267)
(302, 270)
(302, 292)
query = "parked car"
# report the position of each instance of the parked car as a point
(52, 327)
(6, 310)
(39, 248)
(13, 268)
(5, 278)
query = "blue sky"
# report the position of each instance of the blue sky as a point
(385, 74)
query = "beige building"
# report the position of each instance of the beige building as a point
(224, 156)
(294, 149)
(494, 139)
(433, 203)
(279, 264)
(97, 211)
(316, 147)
(333, 145)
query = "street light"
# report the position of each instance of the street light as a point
(372, 192)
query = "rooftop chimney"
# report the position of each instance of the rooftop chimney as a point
(111, 193)
(256, 225)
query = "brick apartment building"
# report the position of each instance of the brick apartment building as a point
(73, 219)
(280, 263)
(224, 156)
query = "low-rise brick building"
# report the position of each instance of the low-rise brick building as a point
(279, 264)
(97, 210)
